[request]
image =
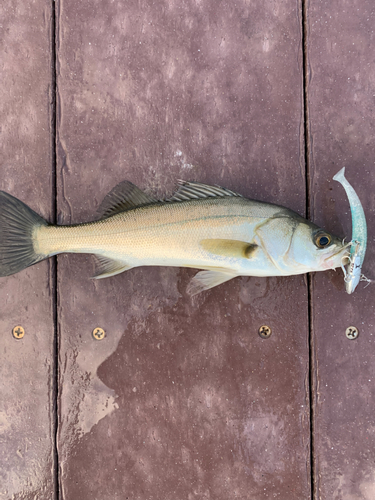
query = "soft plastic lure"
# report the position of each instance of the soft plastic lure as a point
(359, 236)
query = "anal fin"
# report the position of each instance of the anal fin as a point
(204, 280)
(107, 267)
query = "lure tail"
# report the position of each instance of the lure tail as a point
(17, 225)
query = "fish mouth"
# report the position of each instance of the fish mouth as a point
(335, 260)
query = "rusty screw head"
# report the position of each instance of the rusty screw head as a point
(98, 333)
(352, 332)
(265, 332)
(18, 332)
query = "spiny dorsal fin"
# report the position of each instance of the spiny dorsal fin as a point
(195, 190)
(123, 197)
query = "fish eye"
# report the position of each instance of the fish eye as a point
(322, 240)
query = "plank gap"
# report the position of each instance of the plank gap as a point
(54, 259)
(308, 215)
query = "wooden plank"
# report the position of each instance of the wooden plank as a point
(182, 399)
(26, 366)
(341, 107)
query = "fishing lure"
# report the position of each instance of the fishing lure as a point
(356, 257)
(353, 274)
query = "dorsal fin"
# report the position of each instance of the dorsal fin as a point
(123, 197)
(195, 190)
(127, 195)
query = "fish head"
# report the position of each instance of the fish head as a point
(295, 245)
(315, 249)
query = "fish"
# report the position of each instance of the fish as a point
(353, 274)
(204, 227)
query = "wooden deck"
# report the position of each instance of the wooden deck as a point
(182, 399)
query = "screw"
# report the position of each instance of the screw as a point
(18, 332)
(98, 333)
(352, 332)
(265, 332)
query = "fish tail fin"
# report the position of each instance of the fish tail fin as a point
(17, 225)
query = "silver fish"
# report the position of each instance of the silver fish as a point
(201, 226)
(358, 246)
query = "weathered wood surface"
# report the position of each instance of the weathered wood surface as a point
(182, 399)
(26, 299)
(342, 118)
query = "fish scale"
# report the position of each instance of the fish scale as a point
(142, 233)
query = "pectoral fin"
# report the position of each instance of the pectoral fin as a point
(229, 248)
(204, 280)
(109, 267)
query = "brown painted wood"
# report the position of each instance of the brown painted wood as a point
(26, 366)
(342, 119)
(182, 399)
